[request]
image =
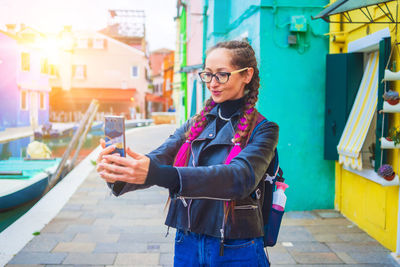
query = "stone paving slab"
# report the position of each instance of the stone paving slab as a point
(26, 265)
(90, 259)
(38, 258)
(138, 258)
(97, 229)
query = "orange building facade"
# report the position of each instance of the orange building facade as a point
(168, 69)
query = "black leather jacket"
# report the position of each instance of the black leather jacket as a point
(206, 183)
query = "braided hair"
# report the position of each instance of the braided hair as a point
(242, 56)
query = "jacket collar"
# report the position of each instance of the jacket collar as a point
(214, 113)
(225, 134)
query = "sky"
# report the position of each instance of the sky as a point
(51, 15)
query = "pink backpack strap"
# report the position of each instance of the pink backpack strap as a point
(259, 118)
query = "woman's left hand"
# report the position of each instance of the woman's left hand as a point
(131, 170)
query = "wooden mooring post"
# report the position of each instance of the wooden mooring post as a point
(82, 130)
(83, 137)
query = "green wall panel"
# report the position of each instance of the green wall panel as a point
(293, 95)
(292, 90)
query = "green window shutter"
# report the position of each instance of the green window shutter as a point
(384, 52)
(343, 76)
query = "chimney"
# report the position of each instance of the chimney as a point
(11, 28)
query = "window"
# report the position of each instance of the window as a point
(135, 72)
(168, 85)
(52, 70)
(146, 74)
(354, 145)
(41, 101)
(98, 44)
(82, 43)
(25, 61)
(157, 88)
(24, 101)
(79, 72)
(44, 66)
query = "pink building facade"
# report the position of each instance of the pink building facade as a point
(24, 79)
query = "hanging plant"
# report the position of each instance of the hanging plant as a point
(394, 135)
(386, 171)
(392, 97)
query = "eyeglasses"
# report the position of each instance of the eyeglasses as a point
(221, 77)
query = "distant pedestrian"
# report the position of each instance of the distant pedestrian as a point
(210, 171)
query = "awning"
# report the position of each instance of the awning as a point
(345, 6)
(361, 115)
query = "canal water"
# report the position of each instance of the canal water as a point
(17, 148)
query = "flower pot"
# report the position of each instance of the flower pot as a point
(393, 102)
(389, 178)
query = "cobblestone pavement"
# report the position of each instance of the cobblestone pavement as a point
(97, 229)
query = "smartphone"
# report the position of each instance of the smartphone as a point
(114, 133)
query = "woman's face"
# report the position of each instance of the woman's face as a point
(219, 60)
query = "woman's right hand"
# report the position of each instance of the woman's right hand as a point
(106, 151)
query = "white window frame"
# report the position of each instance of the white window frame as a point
(367, 44)
(81, 73)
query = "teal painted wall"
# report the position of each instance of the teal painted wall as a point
(292, 91)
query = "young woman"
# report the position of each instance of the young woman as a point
(209, 167)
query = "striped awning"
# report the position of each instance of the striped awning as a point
(361, 115)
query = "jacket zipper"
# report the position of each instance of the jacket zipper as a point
(191, 149)
(246, 207)
(212, 198)
(191, 199)
(221, 246)
(183, 201)
(188, 212)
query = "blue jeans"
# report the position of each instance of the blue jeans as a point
(193, 249)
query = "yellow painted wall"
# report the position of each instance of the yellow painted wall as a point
(372, 207)
(369, 205)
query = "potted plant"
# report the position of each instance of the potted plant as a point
(392, 97)
(386, 171)
(394, 135)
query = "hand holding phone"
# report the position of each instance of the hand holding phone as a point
(114, 133)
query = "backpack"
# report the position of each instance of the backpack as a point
(272, 218)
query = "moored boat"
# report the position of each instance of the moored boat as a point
(23, 180)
